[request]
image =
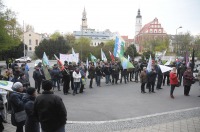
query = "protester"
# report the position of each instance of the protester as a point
(50, 110)
(17, 105)
(99, 74)
(77, 79)
(188, 80)
(91, 74)
(56, 76)
(38, 76)
(143, 79)
(151, 78)
(173, 81)
(66, 79)
(31, 124)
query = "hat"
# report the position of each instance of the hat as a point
(47, 85)
(30, 90)
(17, 86)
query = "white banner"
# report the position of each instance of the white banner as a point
(69, 58)
(6, 85)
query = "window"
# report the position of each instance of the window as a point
(30, 48)
(36, 42)
(151, 30)
(155, 31)
(29, 34)
(29, 41)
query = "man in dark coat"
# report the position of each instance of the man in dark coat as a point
(188, 80)
(17, 105)
(160, 77)
(151, 78)
(38, 76)
(66, 79)
(31, 124)
(50, 110)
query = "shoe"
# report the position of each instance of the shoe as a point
(199, 96)
(59, 90)
(172, 96)
(144, 92)
(153, 92)
(160, 88)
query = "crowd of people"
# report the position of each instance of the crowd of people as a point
(38, 110)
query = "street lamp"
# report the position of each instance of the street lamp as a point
(177, 38)
(83, 19)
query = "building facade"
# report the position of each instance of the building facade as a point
(32, 40)
(150, 31)
(96, 37)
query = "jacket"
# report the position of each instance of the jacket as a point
(173, 78)
(188, 78)
(17, 105)
(50, 110)
(31, 124)
(77, 76)
(143, 77)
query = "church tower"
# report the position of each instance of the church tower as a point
(84, 20)
(138, 24)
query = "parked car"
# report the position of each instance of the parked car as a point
(23, 59)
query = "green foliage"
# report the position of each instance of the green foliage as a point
(70, 39)
(14, 52)
(51, 47)
(55, 35)
(131, 51)
(147, 54)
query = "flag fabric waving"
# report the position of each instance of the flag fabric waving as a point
(164, 68)
(119, 46)
(128, 58)
(192, 67)
(45, 63)
(61, 66)
(149, 68)
(112, 56)
(45, 59)
(168, 62)
(103, 56)
(93, 58)
(124, 62)
(6, 85)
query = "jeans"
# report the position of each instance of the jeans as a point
(76, 87)
(172, 89)
(107, 78)
(58, 83)
(98, 80)
(19, 128)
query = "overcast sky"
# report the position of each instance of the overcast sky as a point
(48, 16)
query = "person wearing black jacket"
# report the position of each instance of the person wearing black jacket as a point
(98, 70)
(50, 110)
(151, 78)
(38, 76)
(17, 105)
(31, 124)
(66, 79)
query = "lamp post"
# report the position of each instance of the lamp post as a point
(83, 19)
(177, 39)
(24, 41)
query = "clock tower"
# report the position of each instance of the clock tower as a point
(138, 24)
(84, 20)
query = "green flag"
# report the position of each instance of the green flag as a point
(45, 68)
(93, 58)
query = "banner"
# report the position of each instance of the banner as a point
(69, 58)
(6, 85)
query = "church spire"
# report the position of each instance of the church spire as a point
(84, 20)
(138, 15)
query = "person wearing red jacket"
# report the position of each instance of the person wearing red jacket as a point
(173, 81)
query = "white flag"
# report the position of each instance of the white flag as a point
(103, 56)
(149, 66)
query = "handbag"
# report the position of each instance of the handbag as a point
(20, 116)
(177, 85)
